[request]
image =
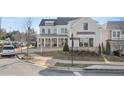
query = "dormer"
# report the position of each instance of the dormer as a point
(49, 23)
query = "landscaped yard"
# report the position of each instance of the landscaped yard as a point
(81, 56)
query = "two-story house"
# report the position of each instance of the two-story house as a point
(53, 32)
(88, 34)
(115, 31)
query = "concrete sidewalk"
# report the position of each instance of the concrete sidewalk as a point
(88, 62)
(108, 67)
(48, 62)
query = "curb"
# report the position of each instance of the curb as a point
(89, 62)
(105, 70)
(66, 68)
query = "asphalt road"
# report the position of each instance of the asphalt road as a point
(11, 66)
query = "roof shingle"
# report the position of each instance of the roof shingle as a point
(115, 25)
(58, 21)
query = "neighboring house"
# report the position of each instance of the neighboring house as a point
(115, 31)
(88, 34)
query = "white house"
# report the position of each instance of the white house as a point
(88, 34)
(53, 32)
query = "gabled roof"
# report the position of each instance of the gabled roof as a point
(58, 21)
(114, 25)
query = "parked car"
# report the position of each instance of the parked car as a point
(119, 53)
(116, 52)
(16, 45)
(8, 50)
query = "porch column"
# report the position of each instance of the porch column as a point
(44, 42)
(40, 42)
(50, 42)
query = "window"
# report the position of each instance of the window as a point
(122, 32)
(90, 42)
(55, 31)
(48, 31)
(118, 34)
(81, 42)
(114, 34)
(85, 26)
(66, 30)
(85, 42)
(62, 30)
(49, 23)
(43, 31)
(8, 48)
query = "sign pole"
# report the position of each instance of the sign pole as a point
(72, 48)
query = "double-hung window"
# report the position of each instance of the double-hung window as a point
(116, 34)
(62, 30)
(85, 26)
(43, 31)
(49, 31)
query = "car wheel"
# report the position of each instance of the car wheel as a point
(122, 56)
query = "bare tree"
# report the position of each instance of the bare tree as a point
(27, 26)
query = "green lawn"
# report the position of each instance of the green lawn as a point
(70, 65)
(113, 58)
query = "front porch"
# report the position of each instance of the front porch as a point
(51, 42)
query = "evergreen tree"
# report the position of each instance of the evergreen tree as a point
(66, 48)
(99, 49)
(108, 48)
(103, 49)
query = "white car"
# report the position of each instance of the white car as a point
(8, 50)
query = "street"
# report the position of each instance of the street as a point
(11, 66)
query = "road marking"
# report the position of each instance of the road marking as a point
(77, 73)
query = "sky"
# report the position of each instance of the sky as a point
(17, 23)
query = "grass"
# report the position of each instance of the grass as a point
(113, 58)
(70, 65)
(67, 56)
